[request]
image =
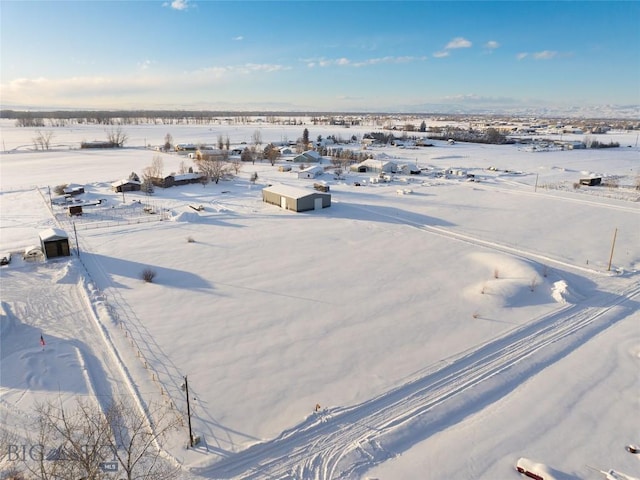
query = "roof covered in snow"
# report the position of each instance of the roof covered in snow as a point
(53, 234)
(292, 192)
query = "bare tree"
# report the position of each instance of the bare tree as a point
(157, 166)
(75, 442)
(117, 137)
(256, 138)
(168, 142)
(213, 169)
(236, 165)
(137, 444)
(42, 140)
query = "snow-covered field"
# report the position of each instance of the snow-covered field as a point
(446, 328)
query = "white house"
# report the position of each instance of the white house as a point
(311, 172)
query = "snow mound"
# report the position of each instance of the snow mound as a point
(561, 293)
(535, 470)
(66, 274)
(187, 217)
(506, 281)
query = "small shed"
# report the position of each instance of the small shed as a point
(73, 189)
(296, 199)
(126, 185)
(55, 243)
(75, 210)
(591, 181)
(311, 172)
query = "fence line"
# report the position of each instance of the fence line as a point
(126, 320)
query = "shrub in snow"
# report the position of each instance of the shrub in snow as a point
(148, 275)
(59, 189)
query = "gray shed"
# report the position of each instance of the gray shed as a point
(296, 199)
(55, 243)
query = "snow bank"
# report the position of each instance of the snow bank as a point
(531, 469)
(187, 217)
(561, 293)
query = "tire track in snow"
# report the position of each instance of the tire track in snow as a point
(337, 448)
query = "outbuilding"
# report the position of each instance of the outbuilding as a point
(55, 243)
(296, 199)
(311, 172)
(591, 181)
(126, 185)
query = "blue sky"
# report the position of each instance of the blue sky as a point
(318, 55)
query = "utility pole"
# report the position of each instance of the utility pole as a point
(535, 189)
(613, 244)
(76, 235)
(186, 389)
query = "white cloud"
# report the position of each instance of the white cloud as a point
(178, 4)
(522, 55)
(345, 62)
(238, 38)
(491, 45)
(458, 42)
(145, 64)
(545, 55)
(441, 54)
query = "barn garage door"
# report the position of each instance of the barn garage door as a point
(283, 202)
(317, 203)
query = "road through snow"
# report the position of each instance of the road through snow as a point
(343, 443)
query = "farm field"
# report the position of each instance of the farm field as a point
(448, 322)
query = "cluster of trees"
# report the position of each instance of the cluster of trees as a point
(75, 443)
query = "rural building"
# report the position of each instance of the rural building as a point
(296, 199)
(126, 185)
(310, 156)
(592, 181)
(185, 147)
(187, 178)
(73, 189)
(75, 210)
(211, 154)
(375, 166)
(176, 179)
(55, 243)
(311, 172)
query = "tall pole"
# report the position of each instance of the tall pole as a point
(76, 235)
(613, 244)
(535, 189)
(186, 389)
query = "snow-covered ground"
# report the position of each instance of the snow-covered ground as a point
(446, 328)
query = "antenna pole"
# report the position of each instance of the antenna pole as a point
(613, 244)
